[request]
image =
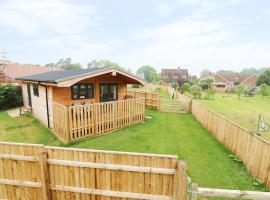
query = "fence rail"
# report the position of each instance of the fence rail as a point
(152, 99)
(78, 122)
(52, 173)
(250, 148)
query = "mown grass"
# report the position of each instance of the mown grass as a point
(180, 134)
(209, 163)
(25, 129)
(244, 111)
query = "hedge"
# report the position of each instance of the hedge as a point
(10, 96)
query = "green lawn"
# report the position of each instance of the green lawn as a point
(244, 111)
(166, 133)
(25, 129)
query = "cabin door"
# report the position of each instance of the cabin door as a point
(108, 92)
(29, 95)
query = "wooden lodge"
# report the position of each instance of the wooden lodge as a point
(83, 103)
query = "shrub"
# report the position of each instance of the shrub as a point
(186, 87)
(264, 90)
(10, 96)
(239, 90)
(175, 85)
(250, 91)
(209, 94)
(196, 92)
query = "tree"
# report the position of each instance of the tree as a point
(103, 64)
(206, 82)
(155, 78)
(72, 66)
(239, 90)
(205, 73)
(264, 78)
(186, 87)
(147, 72)
(264, 90)
(65, 64)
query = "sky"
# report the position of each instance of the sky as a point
(192, 34)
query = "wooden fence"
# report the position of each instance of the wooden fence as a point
(186, 101)
(152, 99)
(56, 173)
(78, 122)
(253, 150)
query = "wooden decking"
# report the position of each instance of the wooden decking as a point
(72, 123)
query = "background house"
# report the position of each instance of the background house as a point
(224, 83)
(10, 71)
(175, 75)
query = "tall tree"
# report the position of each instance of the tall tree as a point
(65, 63)
(147, 72)
(205, 73)
(103, 63)
(264, 78)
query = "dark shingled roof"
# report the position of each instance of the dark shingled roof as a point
(55, 76)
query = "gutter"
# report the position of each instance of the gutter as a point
(47, 105)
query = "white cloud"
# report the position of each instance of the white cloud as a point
(196, 44)
(33, 16)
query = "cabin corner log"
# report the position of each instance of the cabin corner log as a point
(72, 123)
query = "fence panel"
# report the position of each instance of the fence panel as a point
(152, 99)
(56, 173)
(250, 148)
(78, 122)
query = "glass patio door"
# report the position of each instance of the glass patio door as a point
(108, 92)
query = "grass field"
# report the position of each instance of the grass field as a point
(244, 111)
(166, 133)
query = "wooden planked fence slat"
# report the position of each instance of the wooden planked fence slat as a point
(78, 122)
(67, 173)
(253, 150)
(152, 99)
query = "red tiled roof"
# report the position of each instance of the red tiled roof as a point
(17, 70)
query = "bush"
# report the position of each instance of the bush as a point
(175, 85)
(186, 87)
(209, 94)
(10, 96)
(196, 92)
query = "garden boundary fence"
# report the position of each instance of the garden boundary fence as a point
(152, 99)
(252, 149)
(29, 171)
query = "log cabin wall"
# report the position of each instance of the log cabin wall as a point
(39, 107)
(63, 94)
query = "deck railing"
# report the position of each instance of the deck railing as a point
(71, 123)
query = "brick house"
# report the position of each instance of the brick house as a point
(175, 75)
(224, 83)
(10, 71)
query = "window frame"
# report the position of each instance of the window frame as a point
(35, 89)
(87, 95)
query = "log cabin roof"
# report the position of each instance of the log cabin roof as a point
(58, 77)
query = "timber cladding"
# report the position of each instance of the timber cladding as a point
(41, 172)
(152, 99)
(79, 122)
(250, 148)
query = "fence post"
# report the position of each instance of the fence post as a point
(44, 176)
(194, 194)
(180, 185)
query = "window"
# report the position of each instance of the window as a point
(220, 86)
(35, 89)
(175, 76)
(82, 91)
